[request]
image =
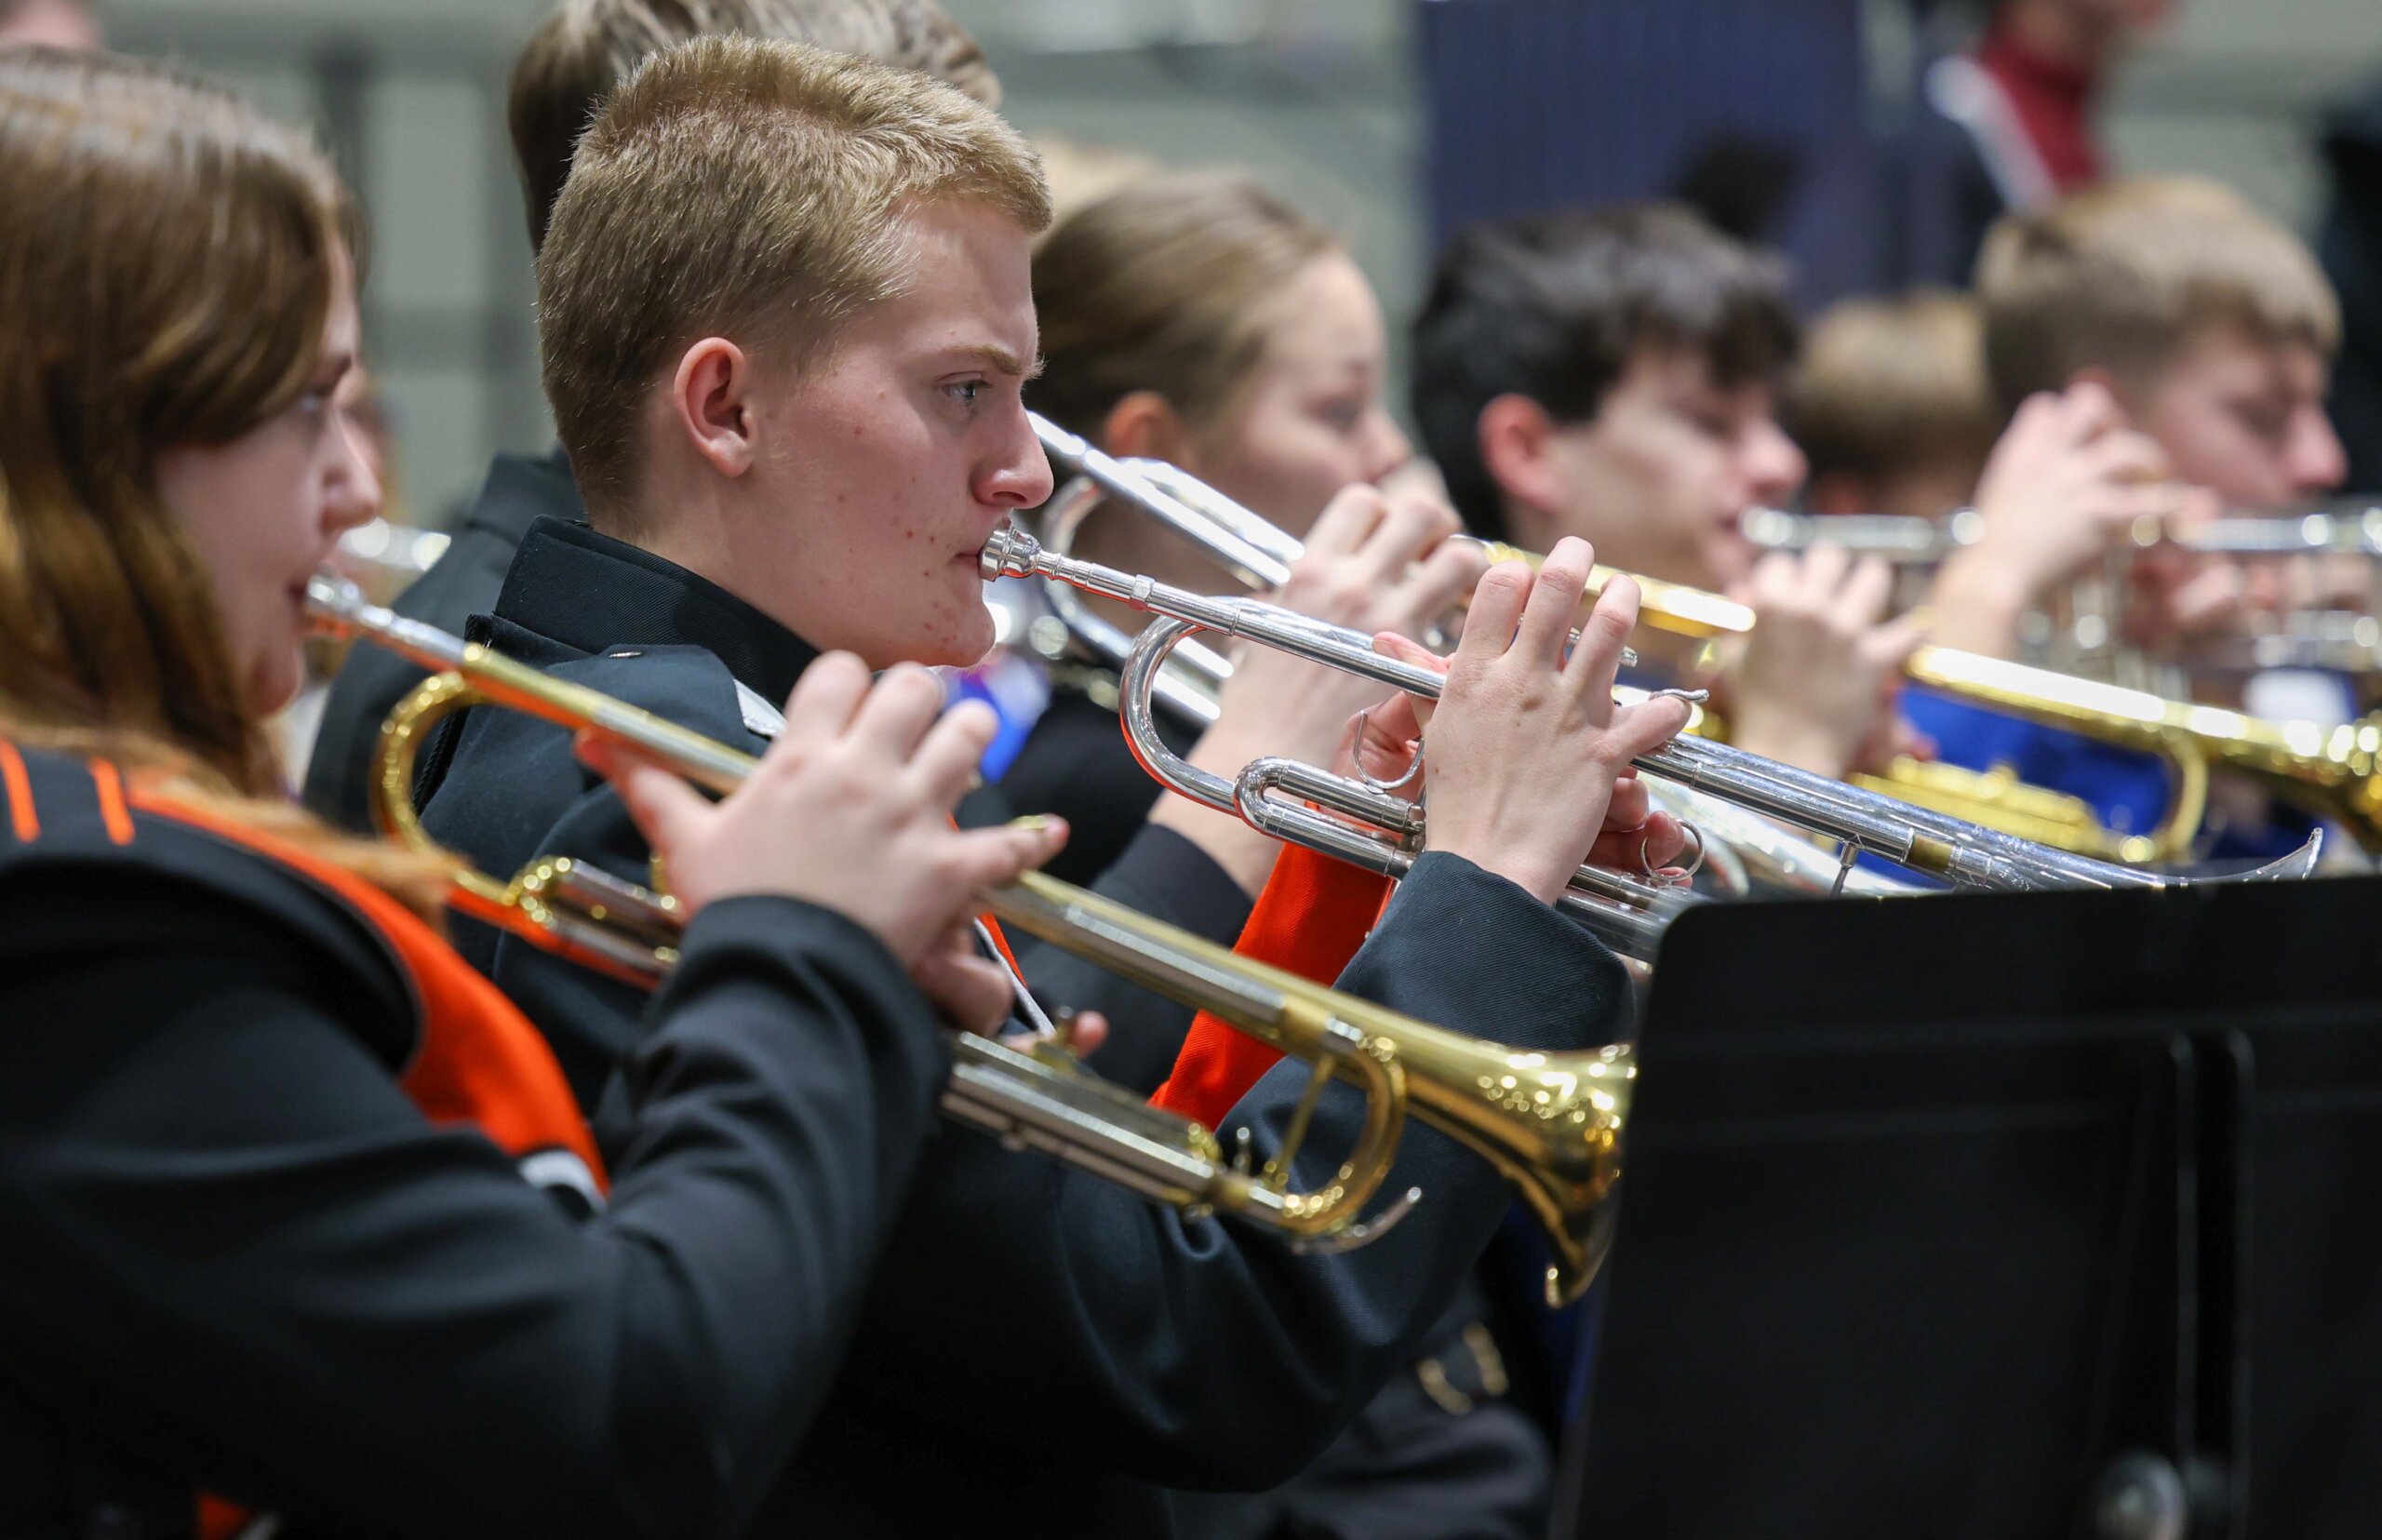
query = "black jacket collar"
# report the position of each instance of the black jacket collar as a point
(522, 488)
(593, 592)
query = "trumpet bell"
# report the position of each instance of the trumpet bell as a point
(1551, 1123)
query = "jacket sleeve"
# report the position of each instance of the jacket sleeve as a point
(592, 1021)
(236, 1245)
(1207, 1353)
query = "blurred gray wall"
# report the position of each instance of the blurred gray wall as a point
(1317, 95)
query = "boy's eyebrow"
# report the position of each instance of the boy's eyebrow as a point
(1002, 360)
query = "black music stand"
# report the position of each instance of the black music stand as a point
(2007, 1216)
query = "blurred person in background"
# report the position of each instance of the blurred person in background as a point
(1615, 375)
(578, 54)
(2009, 124)
(2189, 339)
(1198, 319)
(2165, 350)
(71, 24)
(1892, 407)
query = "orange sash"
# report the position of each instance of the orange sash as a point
(1314, 913)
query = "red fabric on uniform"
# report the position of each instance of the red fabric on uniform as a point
(2054, 104)
(1312, 917)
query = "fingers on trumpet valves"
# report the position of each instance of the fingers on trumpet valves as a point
(1628, 656)
(1497, 603)
(1677, 875)
(1414, 769)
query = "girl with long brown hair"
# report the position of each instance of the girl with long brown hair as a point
(300, 1212)
(1194, 318)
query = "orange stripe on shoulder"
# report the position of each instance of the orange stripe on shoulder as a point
(114, 815)
(20, 787)
(479, 1060)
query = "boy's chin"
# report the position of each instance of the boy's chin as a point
(1727, 557)
(968, 648)
(959, 644)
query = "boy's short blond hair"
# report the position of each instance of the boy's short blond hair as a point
(2120, 277)
(585, 48)
(747, 188)
(1891, 387)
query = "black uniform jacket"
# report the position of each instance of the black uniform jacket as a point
(240, 1260)
(1075, 763)
(1040, 1350)
(462, 582)
(1408, 1464)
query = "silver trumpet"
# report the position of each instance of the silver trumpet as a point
(2339, 632)
(1907, 540)
(1257, 553)
(1932, 844)
(1749, 856)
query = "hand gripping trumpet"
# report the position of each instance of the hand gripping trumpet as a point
(1932, 844)
(2340, 634)
(1550, 1123)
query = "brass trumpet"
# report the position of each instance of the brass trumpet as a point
(1550, 1123)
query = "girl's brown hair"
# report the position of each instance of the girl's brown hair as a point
(1169, 285)
(165, 274)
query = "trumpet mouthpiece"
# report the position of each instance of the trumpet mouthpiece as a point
(1009, 553)
(332, 604)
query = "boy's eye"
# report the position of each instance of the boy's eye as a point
(1342, 415)
(965, 391)
(2266, 419)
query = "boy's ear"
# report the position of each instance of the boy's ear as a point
(1517, 440)
(1144, 426)
(710, 403)
(2093, 374)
